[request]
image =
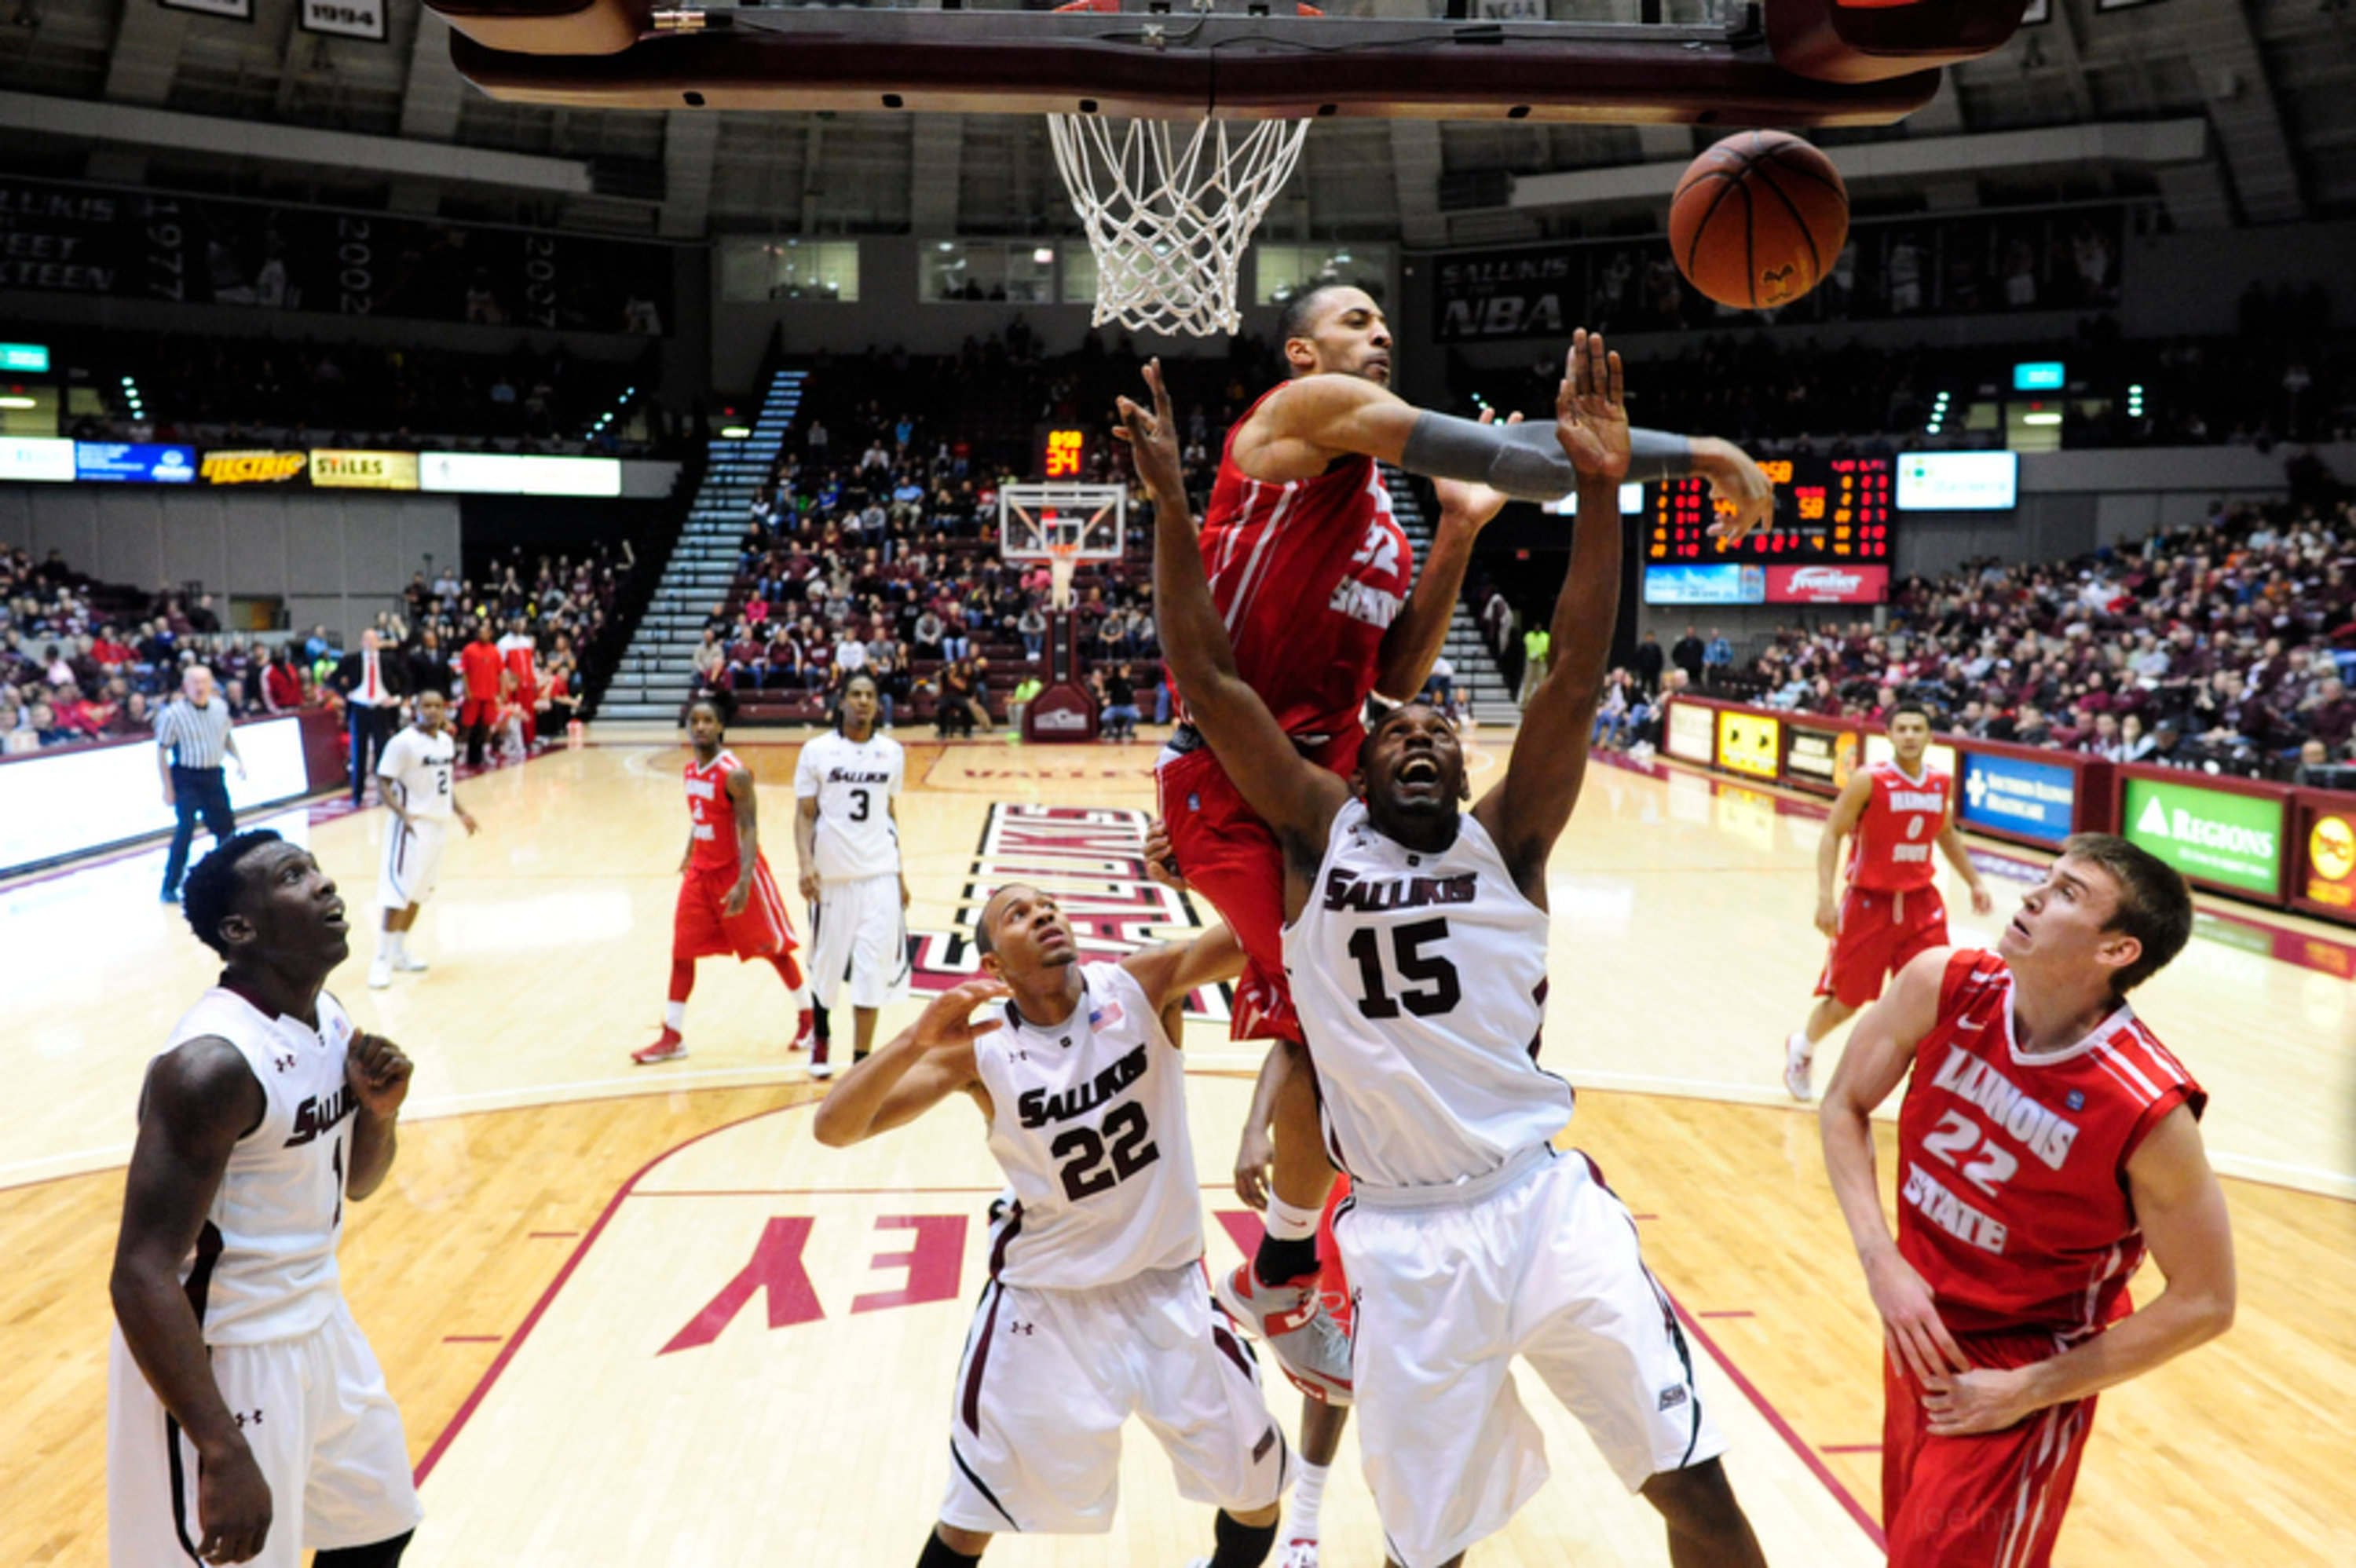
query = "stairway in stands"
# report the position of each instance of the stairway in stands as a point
(657, 670)
(1477, 676)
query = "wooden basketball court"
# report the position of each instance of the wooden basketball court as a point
(637, 1315)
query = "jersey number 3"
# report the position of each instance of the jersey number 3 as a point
(1437, 991)
(1125, 1137)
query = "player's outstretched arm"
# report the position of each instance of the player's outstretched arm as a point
(2182, 1212)
(1879, 1049)
(1527, 810)
(1295, 797)
(200, 1099)
(923, 1065)
(1176, 970)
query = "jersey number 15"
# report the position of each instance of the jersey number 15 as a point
(1437, 988)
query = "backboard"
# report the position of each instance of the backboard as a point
(1038, 521)
(1775, 63)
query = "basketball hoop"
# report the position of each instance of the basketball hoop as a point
(1062, 560)
(1168, 214)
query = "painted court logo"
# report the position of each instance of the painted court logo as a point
(1092, 860)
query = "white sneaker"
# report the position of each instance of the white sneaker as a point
(1298, 1551)
(821, 1070)
(408, 963)
(1799, 1058)
(380, 973)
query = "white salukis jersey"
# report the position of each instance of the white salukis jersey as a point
(855, 783)
(264, 1267)
(420, 764)
(1088, 1121)
(1420, 981)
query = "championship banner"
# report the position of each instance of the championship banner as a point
(339, 470)
(251, 468)
(235, 10)
(344, 18)
(1750, 744)
(91, 240)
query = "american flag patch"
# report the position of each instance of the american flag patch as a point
(1107, 1016)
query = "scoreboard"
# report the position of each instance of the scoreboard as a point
(1828, 511)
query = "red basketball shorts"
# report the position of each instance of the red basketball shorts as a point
(476, 710)
(1879, 932)
(1994, 1500)
(699, 929)
(1230, 856)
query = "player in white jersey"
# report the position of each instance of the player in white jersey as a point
(247, 1419)
(412, 773)
(1415, 943)
(847, 839)
(1098, 1307)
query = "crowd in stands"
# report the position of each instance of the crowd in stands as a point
(2227, 647)
(228, 392)
(82, 663)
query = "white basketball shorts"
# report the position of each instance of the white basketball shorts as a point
(321, 1426)
(1049, 1378)
(859, 942)
(413, 862)
(1539, 1261)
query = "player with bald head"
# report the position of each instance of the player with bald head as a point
(1097, 1307)
(1317, 585)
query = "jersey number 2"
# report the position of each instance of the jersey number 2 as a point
(1130, 1145)
(1441, 991)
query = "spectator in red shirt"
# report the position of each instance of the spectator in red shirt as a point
(281, 682)
(481, 666)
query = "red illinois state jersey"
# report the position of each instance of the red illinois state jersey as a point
(1308, 574)
(713, 812)
(2012, 1193)
(520, 656)
(1891, 850)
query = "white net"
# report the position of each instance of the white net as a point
(1169, 212)
(1062, 562)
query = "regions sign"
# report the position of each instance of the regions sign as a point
(1691, 734)
(2233, 841)
(252, 467)
(1828, 585)
(1750, 743)
(2029, 800)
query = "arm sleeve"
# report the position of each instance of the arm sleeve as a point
(1526, 461)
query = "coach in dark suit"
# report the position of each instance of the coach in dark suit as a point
(373, 680)
(429, 667)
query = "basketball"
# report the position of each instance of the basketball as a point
(1758, 219)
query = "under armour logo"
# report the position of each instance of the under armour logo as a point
(1026, 1329)
(284, 1064)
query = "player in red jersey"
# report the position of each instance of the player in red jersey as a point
(1892, 813)
(520, 660)
(482, 668)
(1313, 574)
(728, 903)
(2046, 1140)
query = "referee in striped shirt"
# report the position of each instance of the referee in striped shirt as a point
(192, 737)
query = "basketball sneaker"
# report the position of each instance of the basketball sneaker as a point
(820, 1068)
(408, 963)
(668, 1047)
(380, 973)
(1291, 1320)
(1799, 1059)
(804, 1030)
(1301, 1552)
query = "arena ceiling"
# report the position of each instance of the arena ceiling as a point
(2272, 80)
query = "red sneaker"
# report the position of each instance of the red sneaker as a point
(802, 1031)
(668, 1047)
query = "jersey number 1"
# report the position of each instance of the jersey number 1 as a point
(1441, 989)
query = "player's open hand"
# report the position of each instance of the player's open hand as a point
(1153, 437)
(378, 1072)
(233, 1506)
(948, 1023)
(1984, 1400)
(1591, 413)
(1742, 497)
(1918, 1341)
